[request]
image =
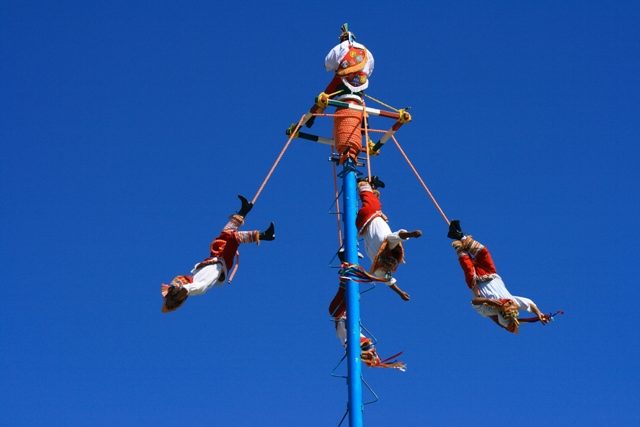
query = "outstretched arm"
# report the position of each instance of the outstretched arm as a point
(489, 301)
(395, 288)
(540, 316)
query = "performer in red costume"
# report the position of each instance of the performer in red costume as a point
(368, 353)
(352, 64)
(490, 296)
(213, 270)
(383, 246)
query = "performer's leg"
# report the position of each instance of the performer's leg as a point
(370, 201)
(466, 263)
(341, 330)
(337, 306)
(397, 236)
(248, 236)
(393, 240)
(235, 221)
(472, 247)
(337, 310)
(204, 278)
(485, 261)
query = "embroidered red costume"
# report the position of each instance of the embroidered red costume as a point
(368, 352)
(490, 295)
(353, 64)
(213, 270)
(383, 246)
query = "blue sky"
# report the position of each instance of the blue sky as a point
(128, 128)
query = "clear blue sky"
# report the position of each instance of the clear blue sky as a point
(128, 128)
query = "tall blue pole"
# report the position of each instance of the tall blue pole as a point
(354, 367)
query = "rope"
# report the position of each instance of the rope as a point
(358, 274)
(337, 200)
(381, 103)
(235, 268)
(275, 164)
(366, 138)
(324, 114)
(433, 199)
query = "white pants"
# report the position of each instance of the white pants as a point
(205, 278)
(341, 331)
(376, 233)
(495, 289)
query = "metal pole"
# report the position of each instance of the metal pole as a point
(354, 372)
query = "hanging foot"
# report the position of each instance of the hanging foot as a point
(269, 234)
(246, 206)
(455, 231)
(375, 181)
(404, 235)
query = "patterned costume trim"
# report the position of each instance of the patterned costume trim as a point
(485, 277)
(178, 281)
(370, 357)
(353, 62)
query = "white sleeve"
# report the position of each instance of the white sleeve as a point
(394, 238)
(331, 60)
(370, 63)
(523, 303)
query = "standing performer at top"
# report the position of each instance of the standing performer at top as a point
(352, 64)
(213, 270)
(383, 247)
(490, 296)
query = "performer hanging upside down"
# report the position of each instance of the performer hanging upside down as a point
(490, 296)
(368, 353)
(383, 246)
(213, 270)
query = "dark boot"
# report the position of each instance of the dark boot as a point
(455, 231)
(409, 234)
(269, 233)
(376, 182)
(342, 255)
(246, 206)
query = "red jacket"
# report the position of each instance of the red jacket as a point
(474, 268)
(371, 208)
(222, 248)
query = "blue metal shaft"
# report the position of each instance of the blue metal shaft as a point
(350, 203)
